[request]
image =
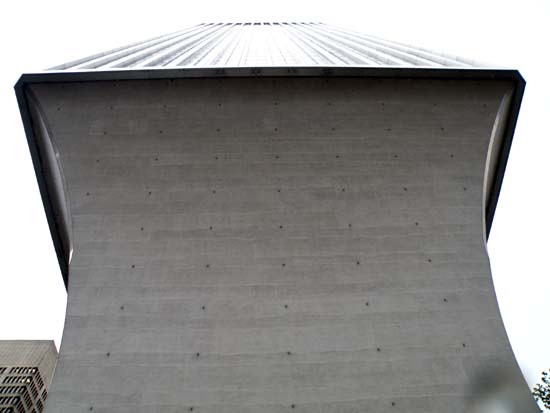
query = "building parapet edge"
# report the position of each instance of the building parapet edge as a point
(485, 74)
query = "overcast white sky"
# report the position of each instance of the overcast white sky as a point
(40, 34)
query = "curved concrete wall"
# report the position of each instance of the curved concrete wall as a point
(275, 245)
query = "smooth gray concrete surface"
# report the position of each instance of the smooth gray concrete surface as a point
(275, 245)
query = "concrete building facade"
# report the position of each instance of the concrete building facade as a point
(273, 239)
(26, 369)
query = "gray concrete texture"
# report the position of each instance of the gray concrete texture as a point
(276, 244)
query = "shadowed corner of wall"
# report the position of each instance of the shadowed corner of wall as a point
(500, 390)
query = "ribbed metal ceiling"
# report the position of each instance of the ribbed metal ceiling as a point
(264, 44)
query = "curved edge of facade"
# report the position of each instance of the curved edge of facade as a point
(56, 212)
(39, 155)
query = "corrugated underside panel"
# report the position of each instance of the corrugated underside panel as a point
(263, 44)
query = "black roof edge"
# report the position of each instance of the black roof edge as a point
(302, 71)
(42, 185)
(502, 157)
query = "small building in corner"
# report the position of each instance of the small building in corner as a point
(26, 370)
